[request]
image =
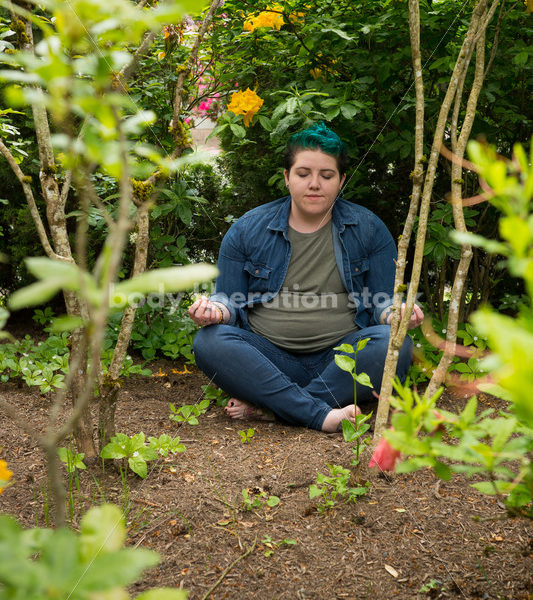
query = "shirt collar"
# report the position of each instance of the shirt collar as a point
(341, 216)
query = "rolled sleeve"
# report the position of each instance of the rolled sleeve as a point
(231, 287)
(382, 271)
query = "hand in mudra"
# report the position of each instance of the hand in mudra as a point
(417, 316)
(203, 312)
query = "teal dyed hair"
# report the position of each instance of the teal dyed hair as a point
(317, 137)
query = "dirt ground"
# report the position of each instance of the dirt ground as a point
(410, 537)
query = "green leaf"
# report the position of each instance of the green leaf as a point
(272, 501)
(348, 431)
(363, 379)
(442, 471)
(66, 323)
(485, 487)
(345, 348)
(491, 246)
(362, 344)
(349, 111)
(338, 32)
(238, 130)
(102, 531)
(468, 415)
(172, 279)
(120, 568)
(35, 294)
(265, 122)
(345, 362)
(521, 59)
(138, 465)
(163, 594)
(314, 491)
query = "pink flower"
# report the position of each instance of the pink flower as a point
(384, 456)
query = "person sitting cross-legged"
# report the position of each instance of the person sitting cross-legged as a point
(297, 277)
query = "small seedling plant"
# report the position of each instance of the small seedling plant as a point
(211, 392)
(73, 462)
(189, 413)
(472, 442)
(138, 454)
(333, 487)
(353, 432)
(246, 435)
(42, 364)
(271, 545)
(165, 445)
(131, 448)
(256, 499)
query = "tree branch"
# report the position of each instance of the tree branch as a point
(34, 211)
(439, 373)
(396, 338)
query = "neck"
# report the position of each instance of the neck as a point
(308, 223)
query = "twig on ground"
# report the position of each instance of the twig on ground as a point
(228, 569)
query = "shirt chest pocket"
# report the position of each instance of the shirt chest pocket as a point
(358, 273)
(258, 277)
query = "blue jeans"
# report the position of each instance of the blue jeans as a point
(300, 389)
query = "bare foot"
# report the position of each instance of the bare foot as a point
(334, 419)
(238, 409)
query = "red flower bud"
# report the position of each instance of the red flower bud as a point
(384, 456)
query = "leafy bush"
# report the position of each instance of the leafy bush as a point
(56, 564)
(497, 448)
(167, 331)
(43, 364)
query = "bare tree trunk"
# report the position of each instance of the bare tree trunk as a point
(441, 287)
(110, 386)
(59, 247)
(459, 147)
(399, 326)
(396, 336)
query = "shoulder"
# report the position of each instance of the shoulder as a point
(262, 216)
(350, 212)
(362, 224)
(264, 211)
(255, 222)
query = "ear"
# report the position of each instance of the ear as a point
(286, 175)
(343, 179)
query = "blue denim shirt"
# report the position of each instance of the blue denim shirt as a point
(256, 251)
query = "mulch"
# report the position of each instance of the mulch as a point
(411, 536)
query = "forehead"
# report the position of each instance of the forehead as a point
(314, 159)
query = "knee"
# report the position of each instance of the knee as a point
(203, 344)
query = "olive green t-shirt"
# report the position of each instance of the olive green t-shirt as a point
(311, 311)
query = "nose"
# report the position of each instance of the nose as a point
(315, 181)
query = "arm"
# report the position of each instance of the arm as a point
(231, 289)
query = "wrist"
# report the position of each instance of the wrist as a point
(385, 315)
(220, 312)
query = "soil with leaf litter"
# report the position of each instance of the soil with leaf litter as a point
(410, 536)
